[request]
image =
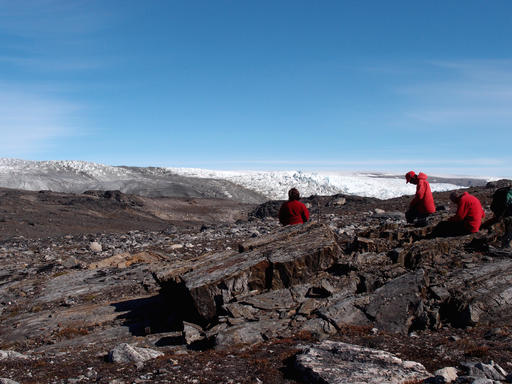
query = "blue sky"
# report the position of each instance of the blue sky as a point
(339, 85)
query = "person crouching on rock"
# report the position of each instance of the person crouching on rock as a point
(467, 219)
(293, 211)
(469, 212)
(423, 203)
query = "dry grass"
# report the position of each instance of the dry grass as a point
(70, 332)
(479, 351)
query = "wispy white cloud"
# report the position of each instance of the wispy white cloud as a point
(477, 92)
(30, 121)
(52, 36)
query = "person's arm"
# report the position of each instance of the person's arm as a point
(305, 214)
(420, 194)
(461, 212)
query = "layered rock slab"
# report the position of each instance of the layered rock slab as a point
(290, 256)
(331, 362)
(479, 292)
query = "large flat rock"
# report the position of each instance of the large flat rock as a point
(479, 292)
(331, 362)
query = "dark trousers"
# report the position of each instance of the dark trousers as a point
(449, 229)
(507, 238)
(413, 215)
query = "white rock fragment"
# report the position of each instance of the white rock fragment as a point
(125, 353)
(95, 247)
(449, 374)
(11, 355)
(192, 333)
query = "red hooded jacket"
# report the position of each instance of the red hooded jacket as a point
(470, 211)
(293, 212)
(423, 202)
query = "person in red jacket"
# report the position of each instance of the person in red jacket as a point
(293, 211)
(423, 203)
(469, 212)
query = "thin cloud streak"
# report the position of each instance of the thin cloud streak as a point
(481, 95)
(29, 121)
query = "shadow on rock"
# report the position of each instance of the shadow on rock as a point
(148, 315)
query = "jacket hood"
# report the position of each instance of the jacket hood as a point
(422, 176)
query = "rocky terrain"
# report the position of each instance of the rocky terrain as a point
(103, 287)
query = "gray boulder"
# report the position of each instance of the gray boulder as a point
(395, 306)
(330, 362)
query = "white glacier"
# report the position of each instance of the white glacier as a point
(275, 184)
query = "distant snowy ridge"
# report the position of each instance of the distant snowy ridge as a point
(275, 184)
(79, 176)
(246, 186)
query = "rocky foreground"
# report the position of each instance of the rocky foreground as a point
(355, 296)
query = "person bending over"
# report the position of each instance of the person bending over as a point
(467, 219)
(423, 203)
(469, 212)
(293, 211)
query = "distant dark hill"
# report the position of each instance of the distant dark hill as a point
(44, 213)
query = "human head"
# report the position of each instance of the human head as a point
(455, 196)
(293, 194)
(411, 177)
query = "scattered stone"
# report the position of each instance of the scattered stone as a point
(95, 247)
(125, 353)
(339, 202)
(448, 374)
(123, 260)
(192, 333)
(70, 262)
